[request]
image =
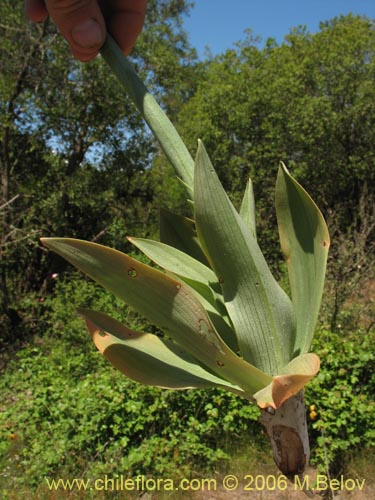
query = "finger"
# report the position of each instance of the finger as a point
(81, 23)
(125, 21)
(36, 10)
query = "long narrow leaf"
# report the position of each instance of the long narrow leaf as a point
(175, 261)
(155, 117)
(164, 301)
(198, 276)
(260, 310)
(148, 359)
(305, 241)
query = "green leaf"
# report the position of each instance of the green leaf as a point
(148, 359)
(179, 232)
(198, 276)
(291, 380)
(260, 310)
(159, 123)
(305, 242)
(247, 210)
(165, 302)
(175, 261)
(221, 322)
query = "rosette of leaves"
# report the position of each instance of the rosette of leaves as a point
(227, 322)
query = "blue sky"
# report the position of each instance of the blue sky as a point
(220, 23)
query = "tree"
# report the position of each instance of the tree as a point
(308, 102)
(72, 150)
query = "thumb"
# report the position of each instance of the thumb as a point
(81, 23)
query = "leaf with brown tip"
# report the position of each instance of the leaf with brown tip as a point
(296, 375)
(166, 302)
(149, 359)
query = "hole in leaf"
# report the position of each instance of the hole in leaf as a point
(132, 273)
(219, 363)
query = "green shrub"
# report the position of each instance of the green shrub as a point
(67, 413)
(344, 397)
(62, 414)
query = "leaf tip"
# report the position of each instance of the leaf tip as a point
(283, 168)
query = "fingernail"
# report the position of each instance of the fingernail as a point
(88, 34)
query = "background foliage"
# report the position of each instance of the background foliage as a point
(76, 160)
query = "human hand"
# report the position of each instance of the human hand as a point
(84, 23)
